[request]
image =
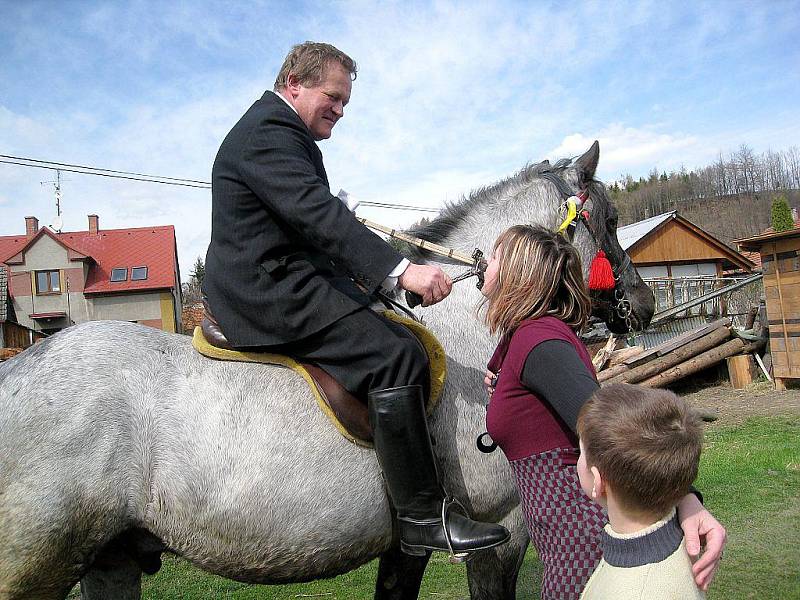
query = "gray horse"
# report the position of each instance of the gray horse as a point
(119, 442)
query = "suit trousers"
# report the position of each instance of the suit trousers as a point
(364, 352)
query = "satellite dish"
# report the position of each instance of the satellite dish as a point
(58, 224)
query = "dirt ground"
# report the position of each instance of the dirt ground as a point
(735, 406)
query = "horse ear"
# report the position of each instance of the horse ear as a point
(587, 163)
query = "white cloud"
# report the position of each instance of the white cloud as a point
(630, 149)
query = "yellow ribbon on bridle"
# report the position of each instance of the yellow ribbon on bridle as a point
(572, 213)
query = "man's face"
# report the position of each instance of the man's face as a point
(322, 105)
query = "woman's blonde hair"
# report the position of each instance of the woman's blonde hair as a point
(539, 274)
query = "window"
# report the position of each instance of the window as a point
(138, 273)
(119, 274)
(48, 282)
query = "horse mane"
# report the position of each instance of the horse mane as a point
(456, 213)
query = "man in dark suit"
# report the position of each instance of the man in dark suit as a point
(290, 270)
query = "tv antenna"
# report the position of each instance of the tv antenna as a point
(58, 221)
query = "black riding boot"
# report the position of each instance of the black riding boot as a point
(403, 446)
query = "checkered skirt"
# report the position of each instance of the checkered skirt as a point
(563, 523)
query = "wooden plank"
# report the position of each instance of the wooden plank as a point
(674, 242)
(788, 326)
(676, 342)
(787, 278)
(620, 356)
(785, 245)
(781, 366)
(782, 305)
(791, 303)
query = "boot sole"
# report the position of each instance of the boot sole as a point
(421, 550)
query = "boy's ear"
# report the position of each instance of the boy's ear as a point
(599, 485)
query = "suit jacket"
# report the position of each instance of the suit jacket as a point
(284, 251)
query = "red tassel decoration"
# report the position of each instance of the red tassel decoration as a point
(601, 276)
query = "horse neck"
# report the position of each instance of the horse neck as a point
(455, 321)
(529, 203)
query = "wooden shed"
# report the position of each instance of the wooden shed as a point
(780, 260)
(679, 260)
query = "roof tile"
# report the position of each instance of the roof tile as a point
(153, 247)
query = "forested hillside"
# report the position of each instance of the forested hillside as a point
(730, 199)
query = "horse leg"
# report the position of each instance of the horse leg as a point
(492, 574)
(399, 575)
(114, 575)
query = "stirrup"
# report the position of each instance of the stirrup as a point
(455, 558)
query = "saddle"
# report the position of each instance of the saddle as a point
(347, 413)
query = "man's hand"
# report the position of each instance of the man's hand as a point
(428, 281)
(701, 529)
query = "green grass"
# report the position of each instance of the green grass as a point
(749, 474)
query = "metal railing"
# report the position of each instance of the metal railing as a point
(705, 296)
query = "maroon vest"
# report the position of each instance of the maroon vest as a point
(521, 423)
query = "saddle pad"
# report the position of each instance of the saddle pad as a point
(437, 361)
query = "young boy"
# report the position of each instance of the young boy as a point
(639, 454)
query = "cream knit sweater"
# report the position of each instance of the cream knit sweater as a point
(651, 564)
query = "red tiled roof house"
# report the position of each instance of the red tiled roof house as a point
(60, 279)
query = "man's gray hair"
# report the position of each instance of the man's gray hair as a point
(308, 61)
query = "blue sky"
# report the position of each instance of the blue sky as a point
(450, 96)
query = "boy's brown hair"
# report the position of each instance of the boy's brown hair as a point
(645, 442)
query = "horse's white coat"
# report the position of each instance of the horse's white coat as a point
(109, 426)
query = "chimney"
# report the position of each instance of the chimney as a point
(31, 226)
(94, 222)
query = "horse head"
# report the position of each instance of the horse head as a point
(630, 305)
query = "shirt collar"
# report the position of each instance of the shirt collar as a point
(279, 95)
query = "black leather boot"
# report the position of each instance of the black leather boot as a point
(428, 519)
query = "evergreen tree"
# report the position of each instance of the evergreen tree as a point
(781, 214)
(192, 291)
(199, 271)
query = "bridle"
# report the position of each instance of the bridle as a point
(574, 213)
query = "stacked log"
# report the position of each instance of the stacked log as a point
(683, 355)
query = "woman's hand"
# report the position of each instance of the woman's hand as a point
(701, 530)
(488, 380)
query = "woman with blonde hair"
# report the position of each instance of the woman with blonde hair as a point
(538, 379)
